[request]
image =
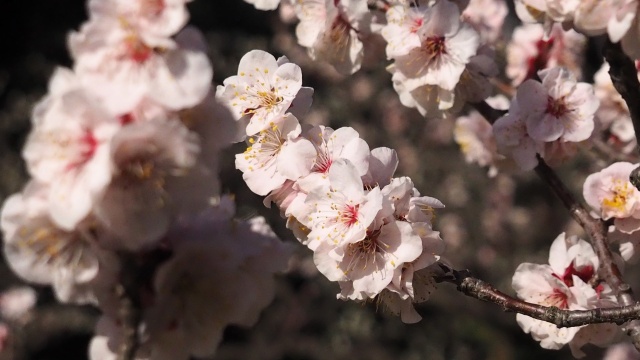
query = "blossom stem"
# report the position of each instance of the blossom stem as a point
(481, 290)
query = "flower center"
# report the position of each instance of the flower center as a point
(136, 50)
(349, 215)
(557, 299)
(435, 45)
(556, 107)
(585, 273)
(618, 200)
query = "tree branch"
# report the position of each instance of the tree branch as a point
(481, 290)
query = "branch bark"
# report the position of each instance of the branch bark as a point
(129, 311)
(481, 290)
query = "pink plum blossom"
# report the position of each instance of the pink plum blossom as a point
(446, 45)
(474, 135)
(513, 139)
(558, 108)
(486, 17)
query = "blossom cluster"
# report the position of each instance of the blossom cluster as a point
(442, 51)
(123, 155)
(369, 231)
(570, 281)
(618, 19)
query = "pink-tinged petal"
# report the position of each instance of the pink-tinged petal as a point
(257, 59)
(344, 178)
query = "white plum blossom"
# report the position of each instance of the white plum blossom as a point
(566, 283)
(40, 252)
(69, 149)
(332, 31)
(152, 160)
(558, 108)
(332, 145)
(262, 91)
(275, 155)
(342, 210)
(370, 264)
(117, 63)
(402, 30)
(611, 195)
(446, 46)
(154, 20)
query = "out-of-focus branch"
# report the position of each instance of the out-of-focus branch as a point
(624, 76)
(488, 111)
(481, 290)
(129, 311)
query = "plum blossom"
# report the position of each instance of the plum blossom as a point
(262, 91)
(40, 252)
(264, 4)
(369, 264)
(446, 45)
(558, 108)
(611, 195)
(276, 155)
(566, 283)
(529, 51)
(69, 149)
(154, 20)
(341, 211)
(153, 162)
(486, 17)
(332, 145)
(332, 31)
(612, 115)
(474, 135)
(115, 61)
(513, 139)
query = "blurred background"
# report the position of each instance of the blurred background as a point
(490, 225)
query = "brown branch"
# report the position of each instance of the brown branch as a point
(481, 290)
